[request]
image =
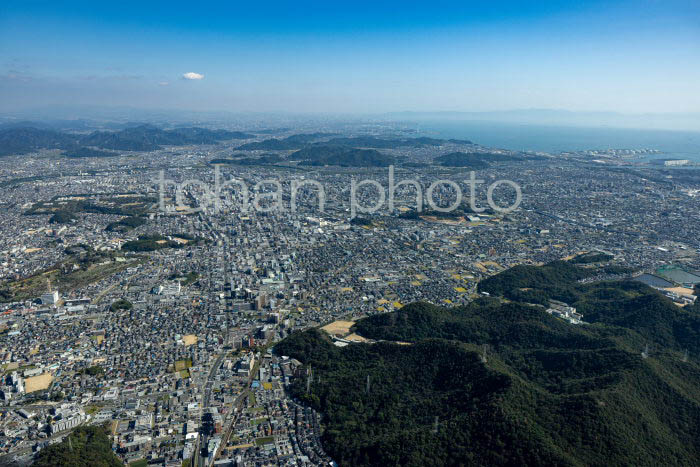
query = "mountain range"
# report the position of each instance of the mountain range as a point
(21, 140)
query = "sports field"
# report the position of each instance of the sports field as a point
(37, 383)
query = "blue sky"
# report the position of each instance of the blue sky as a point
(358, 57)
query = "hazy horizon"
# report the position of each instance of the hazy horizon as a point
(678, 122)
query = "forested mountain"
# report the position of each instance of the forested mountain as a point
(385, 143)
(300, 141)
(21, 140)
(149, 138)
(342, 156)
(505, 383)
(284, 144)
(263, 159)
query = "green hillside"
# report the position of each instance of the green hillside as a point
(628, 304)
(546, 393)
(86, 446)
(343, 156)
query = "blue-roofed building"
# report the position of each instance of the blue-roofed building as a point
(653, 281)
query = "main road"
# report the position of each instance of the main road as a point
(208, 383)
(236, 404)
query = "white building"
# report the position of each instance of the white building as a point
(67, 418)
(675, 162)
(564, 311)
(50, 298)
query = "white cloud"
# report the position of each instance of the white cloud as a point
(192, 75)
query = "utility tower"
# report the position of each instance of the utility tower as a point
(484, 348)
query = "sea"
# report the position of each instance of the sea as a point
(555, 139)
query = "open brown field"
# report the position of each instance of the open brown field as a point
(37, 383)
(339, 327)
(189, 339)
(355, 338)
